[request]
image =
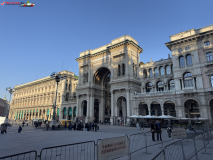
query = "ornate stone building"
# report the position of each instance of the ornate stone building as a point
(113, 84)
(35, 99)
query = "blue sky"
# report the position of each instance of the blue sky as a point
(39, 40)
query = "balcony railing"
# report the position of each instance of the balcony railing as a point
(209, 62)
(155, 93)
(185, 88)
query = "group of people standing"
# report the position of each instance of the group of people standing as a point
(156, 128)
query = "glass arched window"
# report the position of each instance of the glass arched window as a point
(67, 97)
(150, 73)
(182, 61)
(209, 56)
(149, 87)
(156, 72)
(171, 84)
(145, 73)
(168, 70)
(211, 78)
(119, 70)
(123, 69)
(188, 80)
(160, 86)
(58, 112)
(161, 71)
(189, 59)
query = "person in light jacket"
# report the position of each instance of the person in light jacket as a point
(137, 125)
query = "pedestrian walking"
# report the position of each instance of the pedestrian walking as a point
(137, 125)
(169, 131)
(23, 124)
(47, 126)
(19, 129)
(95, 127)
(153, 130)
(3, 129)
(158, 130)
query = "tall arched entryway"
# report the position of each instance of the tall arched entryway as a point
(143, 109)
(84, 107)
(102, 105)
(156, 109)
(211, 109)
(169, 108)
(191, 109)
(121, 111)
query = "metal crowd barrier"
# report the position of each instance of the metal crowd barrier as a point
(31, 155)
(76, 151)
(187, 149)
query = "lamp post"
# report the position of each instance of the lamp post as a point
(10, 90)
(57, 77)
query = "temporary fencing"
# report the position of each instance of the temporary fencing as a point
(76, 151)
(31, 155)
(160, 156)
(187, 148)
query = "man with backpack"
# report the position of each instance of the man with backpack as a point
(158, 130)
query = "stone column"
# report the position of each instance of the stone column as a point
(112, 107)
(149, 109)
(88, 109)
(182, 84)
(60, 113)
(77, 106)
(92, 108)
(79, 76)
(112, 67)
(101, 109)
(162, 110)
(128, 103)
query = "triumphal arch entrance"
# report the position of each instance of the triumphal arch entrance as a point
(108, 79)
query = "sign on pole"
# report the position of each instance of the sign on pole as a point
(112, 148)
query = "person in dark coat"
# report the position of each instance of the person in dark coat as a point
(153, 130)
(169, 130)
(19, 129)
(74, 126)
(158, 130)
(95, 126)
(65, 125)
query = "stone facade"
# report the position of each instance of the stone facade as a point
(3, 107)
(113, 84)
(36, 99)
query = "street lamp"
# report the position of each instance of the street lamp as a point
(10, 90)
(57, 78)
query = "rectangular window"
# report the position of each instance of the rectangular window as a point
(207, 43)
(180, 84)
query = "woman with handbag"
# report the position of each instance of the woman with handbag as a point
(153, 130)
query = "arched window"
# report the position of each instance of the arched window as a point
(211, 80)
(171, 84)
(66, 87)
(145, 73)
(67, 97)
(189, 59)
(69, 87)
(182, 61)
(119, 70)
(168, 71)
(161, 71)
(123, 69)
(209, 56)
(65, 113)
(74, 95)
(156, 72)
(188, 80)
(149, 87)
(150, 73)
(160, 86)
